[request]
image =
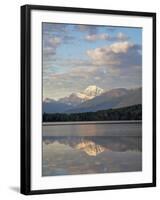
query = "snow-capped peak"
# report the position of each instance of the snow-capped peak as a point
(81, 95)
(76, 98)
(90, 92)
(93, 91)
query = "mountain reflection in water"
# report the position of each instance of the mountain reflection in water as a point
(93, 146)
(71, 155)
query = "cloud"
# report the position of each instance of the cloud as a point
(52, 41)
(76, 73)
(50, 45)
(53, 28)
(120, 59)
(48, 51)
(104, 36)
(95, 37)
(116, 65)
(91, 29)
(55, 41)
(117, 55)
(58, 84)
(121, 37)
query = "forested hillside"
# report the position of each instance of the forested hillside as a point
(125, 113)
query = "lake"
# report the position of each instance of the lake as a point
(90, 148)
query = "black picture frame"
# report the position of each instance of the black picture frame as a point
(26, 98)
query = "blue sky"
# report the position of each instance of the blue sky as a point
(76, 56)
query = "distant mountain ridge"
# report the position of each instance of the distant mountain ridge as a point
(93, 99)
(76, 98)
(52, 106)
(114, 98)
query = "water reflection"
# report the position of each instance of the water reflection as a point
(72, 155)
(93, 146)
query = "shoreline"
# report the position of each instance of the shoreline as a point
(91, 122)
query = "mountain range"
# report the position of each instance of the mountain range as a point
(89, 93)
(93, 99)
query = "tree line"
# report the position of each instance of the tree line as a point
(126, 113)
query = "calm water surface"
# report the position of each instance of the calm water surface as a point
(91, 148)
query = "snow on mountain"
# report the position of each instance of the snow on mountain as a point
(93, 91)
(76, 98)
(93, 99)
(114, 98)
(72, 100)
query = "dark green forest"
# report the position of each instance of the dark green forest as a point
(126, 113)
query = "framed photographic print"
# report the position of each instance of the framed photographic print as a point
(88, 99)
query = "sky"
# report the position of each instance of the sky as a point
(76, 56)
